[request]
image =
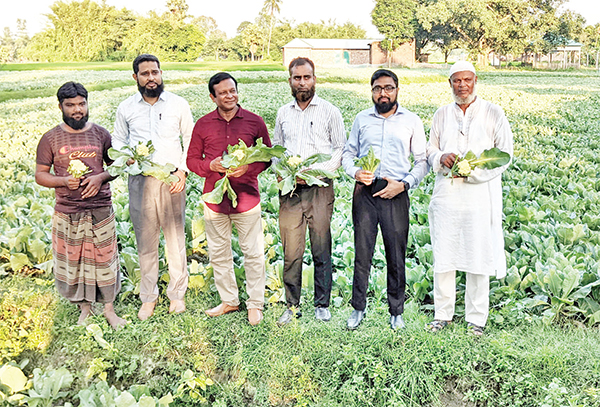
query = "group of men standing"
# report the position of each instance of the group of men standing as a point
(465, 212)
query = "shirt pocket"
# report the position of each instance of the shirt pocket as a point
(168, 126)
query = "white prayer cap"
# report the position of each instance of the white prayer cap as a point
(461, 66)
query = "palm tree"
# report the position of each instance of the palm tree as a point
(270, 7)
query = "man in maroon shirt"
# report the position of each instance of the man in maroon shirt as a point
(226, 126)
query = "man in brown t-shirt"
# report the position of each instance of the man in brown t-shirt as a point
(84, 243)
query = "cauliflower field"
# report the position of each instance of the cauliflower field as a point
(551, 191)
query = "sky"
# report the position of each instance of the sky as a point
(231, 13)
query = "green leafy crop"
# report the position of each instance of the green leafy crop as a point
(238, 155)
(368, 162)
(290, 169)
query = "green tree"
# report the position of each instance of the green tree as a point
(271, 7)
(394, 19)
(80, 31)
(177, 12)
(251, 38)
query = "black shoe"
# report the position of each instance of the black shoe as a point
(322, 314)
(396, 322)
(355, 319)
(287, 316)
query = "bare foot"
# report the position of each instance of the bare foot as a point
(113, 319)
(86, 311)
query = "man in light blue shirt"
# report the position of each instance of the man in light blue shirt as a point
(381, 197)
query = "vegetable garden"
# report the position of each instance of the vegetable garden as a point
(542, 345)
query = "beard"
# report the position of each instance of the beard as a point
(75, 124)
(151, 93)
(303, 95)
(385, 107)
(466, 100)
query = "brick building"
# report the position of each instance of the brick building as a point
(341, 52)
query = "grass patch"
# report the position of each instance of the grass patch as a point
(112, 66)
(310, 363)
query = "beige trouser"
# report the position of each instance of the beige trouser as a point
(152, 208)
(251, 239)
(477, 297)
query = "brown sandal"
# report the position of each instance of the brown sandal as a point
(436, 325)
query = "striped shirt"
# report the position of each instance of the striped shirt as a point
(317, 129)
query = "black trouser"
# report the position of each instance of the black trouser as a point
(392, 217)
(310, 206)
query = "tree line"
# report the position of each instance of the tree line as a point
(89, 31)
(504, 27)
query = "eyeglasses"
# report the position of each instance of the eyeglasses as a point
(388, 89)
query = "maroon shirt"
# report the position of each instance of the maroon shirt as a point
(210, 138)
(58, 147)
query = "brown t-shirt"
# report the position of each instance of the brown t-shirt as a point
(58, 147)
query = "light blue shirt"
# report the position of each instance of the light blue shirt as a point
(393, 140)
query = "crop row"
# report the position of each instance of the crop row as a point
(551, 191)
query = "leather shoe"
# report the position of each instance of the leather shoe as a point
(255, 315)
(177, 307)
(146, 310)
(355, 319)
(221, 309)
(287, 316)
(322, 314)
(396, 322)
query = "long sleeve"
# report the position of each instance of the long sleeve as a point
(277, 135)
(262, 133)
(351, 149)
(503, 139)
(186, 126)
(196, 161)
(337, 138)
(434, 154)
(419, 152)
(120, 135)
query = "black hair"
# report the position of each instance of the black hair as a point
(301, 61)
(218, 78)
(144, 58)
(71, 90)
(384, 72)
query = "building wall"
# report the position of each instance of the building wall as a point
(403, 55)
(291, 53)
(360, 57)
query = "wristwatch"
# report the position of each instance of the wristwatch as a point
(177, 169)
(406, 185)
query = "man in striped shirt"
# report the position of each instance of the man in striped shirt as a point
(308, 125)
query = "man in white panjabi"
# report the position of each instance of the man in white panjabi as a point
(465, 213)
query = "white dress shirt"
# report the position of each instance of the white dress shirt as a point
(168, 123)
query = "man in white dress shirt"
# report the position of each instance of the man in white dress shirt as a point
(166, 119)
(465, 213)
(308, 125)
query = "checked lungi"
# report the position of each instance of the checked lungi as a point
(86, 260)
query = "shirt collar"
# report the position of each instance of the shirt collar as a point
(313, 102)
(239, 114)
(139, 98)
(399, 110)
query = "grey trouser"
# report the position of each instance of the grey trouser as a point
(152, 207)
